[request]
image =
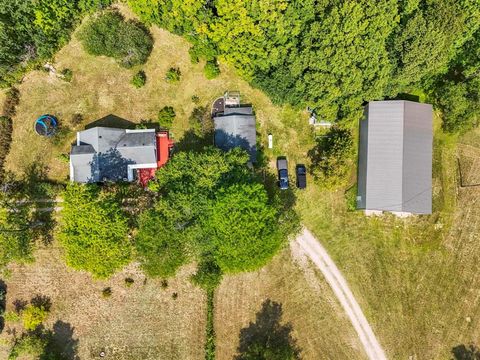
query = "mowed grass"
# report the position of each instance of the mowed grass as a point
(101, 87)
(417, 279)
(142, 321)
(318, 323)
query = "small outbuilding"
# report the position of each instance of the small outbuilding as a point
(236, 127)
(395, 158)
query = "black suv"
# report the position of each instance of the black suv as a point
(301, 172)
(282, 168)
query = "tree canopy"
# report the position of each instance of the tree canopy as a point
(32, 30)
(330, 55)
(213, 209)
(241, 229)
(93, 231)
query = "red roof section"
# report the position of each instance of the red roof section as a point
(164, 145)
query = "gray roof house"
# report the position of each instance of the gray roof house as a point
(395, 158)
(103, 153)
(235, 127)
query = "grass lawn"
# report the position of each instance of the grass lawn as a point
(318, 323)
(144, 322)
(417, 279)
(138, 322)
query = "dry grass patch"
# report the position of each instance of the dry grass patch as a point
(319, 325)
(416, 279)
(142, 321)
(101, 87)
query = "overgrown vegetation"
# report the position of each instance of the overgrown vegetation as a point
(330, 157)
(93, 230)
(368, 50)
(32, 30)
(129, 42)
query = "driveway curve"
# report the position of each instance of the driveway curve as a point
(319, 256)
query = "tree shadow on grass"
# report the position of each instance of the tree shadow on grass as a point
(192, 141)
(62, 342)
(464, 352)
(40, 193)
(267, 338)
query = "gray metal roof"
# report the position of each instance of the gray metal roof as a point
(244, 110)
(105, 153)
(395, 157)
(237, 130)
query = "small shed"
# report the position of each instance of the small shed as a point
(236, 127)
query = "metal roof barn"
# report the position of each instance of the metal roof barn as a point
(395, 157)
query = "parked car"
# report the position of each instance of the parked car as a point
(301, 172)
(282, 167)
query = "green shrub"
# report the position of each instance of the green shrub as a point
(129, 42)
(331, 156)
(33, 316)
(11, 316)
(351, 198)
(173, 75)
(175, 296)
(211, 69)
(63, 157)
(30, 344)
(166, 116)
(195, 99)
(129, 282)
(67, 75)
(139, 79)
(107, 292)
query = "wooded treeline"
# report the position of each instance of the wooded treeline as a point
(329, 54)
(334, 55)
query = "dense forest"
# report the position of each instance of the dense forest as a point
(331, 55)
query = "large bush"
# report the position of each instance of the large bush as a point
(32, 30)
(331, 157)
(129, 42)
(94, 231)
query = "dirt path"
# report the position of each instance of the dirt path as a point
(319, 256)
